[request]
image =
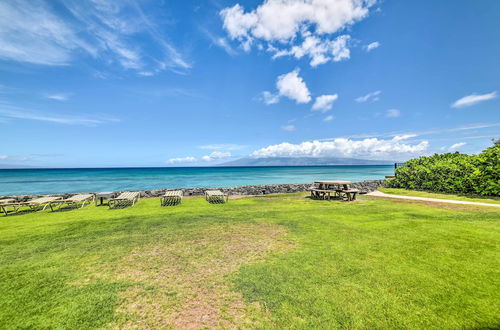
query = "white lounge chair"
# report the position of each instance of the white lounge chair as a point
(34, 204)
(127, 198)
(75, 200)
(42, 202)
(215, 196)
(173, 197)
(11, 202)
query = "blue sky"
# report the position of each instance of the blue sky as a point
(174, 83)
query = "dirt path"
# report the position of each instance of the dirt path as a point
(377, 193)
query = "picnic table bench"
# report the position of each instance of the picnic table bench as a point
(339, 188)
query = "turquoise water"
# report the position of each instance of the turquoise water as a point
(49, 181)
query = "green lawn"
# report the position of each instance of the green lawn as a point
(271, 262)
(417, 193)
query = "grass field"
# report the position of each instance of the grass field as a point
(417, 193)
(270, 262)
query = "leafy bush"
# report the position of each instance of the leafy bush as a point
(453, 173)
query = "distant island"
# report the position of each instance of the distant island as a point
(303, 161)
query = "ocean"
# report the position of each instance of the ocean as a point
(53, 181)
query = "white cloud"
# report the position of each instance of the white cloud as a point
(223, 146)
(392, 113)
(216, 155)
(8, 111)
(289, 85)
(372, 148)
(318, 50)
(181, 160)
(270, 98)
(59, 96)
(404, 137)
(33, 32)
(13, 158)
(324, 103)
(292, 86)
(329, 118)
(472, 99)
(372, 46)
(282, 20)
(301, 26)
(373, 96)
(289, 128)
(456, 146)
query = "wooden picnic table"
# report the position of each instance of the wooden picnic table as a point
(324, 184)
(324, 188)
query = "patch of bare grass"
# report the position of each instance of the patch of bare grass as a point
(183, 284)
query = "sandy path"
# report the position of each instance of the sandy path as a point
(436, 200)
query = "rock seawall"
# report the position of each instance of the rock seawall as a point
(363, 186)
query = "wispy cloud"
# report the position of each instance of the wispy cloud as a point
(33, 32)
(404, 137)
(329, 118)
(373, 96)
(456, 146)
(8, 111)
(223, 146)
(324, 103)
(178, 160)
(472, 99)
(58, 96)
(475, 126)
(392, 113)
(219, 41)
(13, 158)
(216, 155)
(372, 46)
(289, 128)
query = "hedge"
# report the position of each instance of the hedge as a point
(452, 173)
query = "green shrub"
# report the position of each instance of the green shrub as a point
(452, 173)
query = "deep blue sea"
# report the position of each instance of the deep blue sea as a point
(48, 181)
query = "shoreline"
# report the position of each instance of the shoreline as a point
(365, 186)
(184, 167)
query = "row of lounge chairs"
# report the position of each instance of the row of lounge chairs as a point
(47, 201)
(130, 198)
(125, 199)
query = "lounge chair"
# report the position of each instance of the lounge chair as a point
(42, 202)
(11, 202)
(7, 200)
(34, 204)
(215, 196)
(171, 198)
(127, 198)
(75, 200)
